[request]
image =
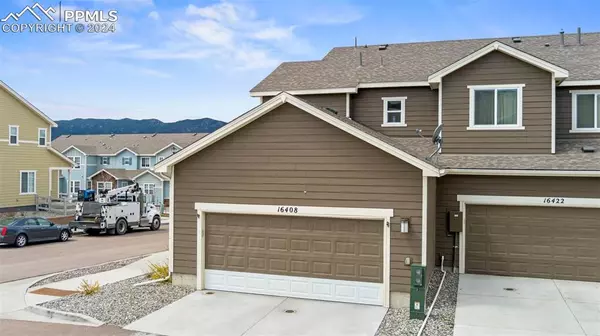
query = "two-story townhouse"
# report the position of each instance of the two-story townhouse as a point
(332, 187)
(112, 161)
(29, 166)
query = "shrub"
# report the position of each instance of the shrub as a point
(158, 271)
(88, 288)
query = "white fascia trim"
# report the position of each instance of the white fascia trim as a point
(162, 149)
(171, 219)
(553, 137)
(559, 72)
(348, 105)
(304, 92)
(282, 98)
(585, 130)
(103, 170)
(28, 104)
(522, 172)
(62, 156)
(73, 147)
(424, 221)
(147, 172)
(390, 85)
(569, 202)
(580, 83)
(303, 211)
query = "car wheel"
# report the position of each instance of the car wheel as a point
(64, 235)
(21, 240)
(121, 227)
(155, 223)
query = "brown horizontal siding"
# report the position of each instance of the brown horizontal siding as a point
(366, 107)
(564, 114)
(271, 162)
(451, 185)
(336, 101)
(492, 69)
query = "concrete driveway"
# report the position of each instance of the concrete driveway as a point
(236, 314)
(511, 306)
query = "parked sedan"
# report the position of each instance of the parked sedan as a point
(21, 231)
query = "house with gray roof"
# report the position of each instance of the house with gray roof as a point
(482, 154)
(108, 161)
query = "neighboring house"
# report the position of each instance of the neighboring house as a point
(115, 160)
(29, 166)
(325, 190)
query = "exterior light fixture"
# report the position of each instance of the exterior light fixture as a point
(404, 225)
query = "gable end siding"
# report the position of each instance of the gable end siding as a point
(290, 157)
(493, 69)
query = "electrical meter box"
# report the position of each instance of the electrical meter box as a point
(417, 291)
(455, 221)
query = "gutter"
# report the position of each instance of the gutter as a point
(521, 172)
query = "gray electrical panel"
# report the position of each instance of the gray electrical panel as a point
(455, 221)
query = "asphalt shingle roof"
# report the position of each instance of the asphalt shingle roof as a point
(111, 144)
(414, 62)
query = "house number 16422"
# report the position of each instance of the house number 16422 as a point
(554, 200)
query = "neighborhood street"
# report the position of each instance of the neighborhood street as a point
(80, 251)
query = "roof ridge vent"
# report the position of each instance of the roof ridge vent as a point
(383, 46)
(153, 135)
(517, 39)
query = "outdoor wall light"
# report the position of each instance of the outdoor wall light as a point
(404, 225)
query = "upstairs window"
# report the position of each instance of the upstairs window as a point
(496, 107)
(394, 111)
(105, 160)
(76, 160)
(13, 135)
(145, 162)
(42, 137)
(126, 161)
(586, 111)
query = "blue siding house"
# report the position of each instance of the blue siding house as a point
(111, 161)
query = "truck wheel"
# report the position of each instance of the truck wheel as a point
(121, 227)
(155, 225)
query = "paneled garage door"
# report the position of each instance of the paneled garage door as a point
(557, 243)
(307, 257)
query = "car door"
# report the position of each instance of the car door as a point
(32, 229)
(48, 231)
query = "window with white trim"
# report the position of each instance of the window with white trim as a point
(76, 160)
(149, 188)
(104, 185)
(145, 162)
(496, 106)
(394, 111)
(126, 161)
(585, 111)
(27, 182)
(105, 160)
(89, 184)
(75, 186)
(13, 134)
(42, 136)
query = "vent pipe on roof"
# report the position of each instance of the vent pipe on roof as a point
(562, 37)
(360, 58)
(355, 42)
(579, 35)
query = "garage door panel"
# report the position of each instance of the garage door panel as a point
(562, 243)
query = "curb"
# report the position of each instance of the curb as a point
(57, 314)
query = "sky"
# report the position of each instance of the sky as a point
(189, 59)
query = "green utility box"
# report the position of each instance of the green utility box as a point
(417, 292)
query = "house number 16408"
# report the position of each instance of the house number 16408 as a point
(287, 209)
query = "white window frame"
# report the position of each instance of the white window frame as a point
(45, 137)
(160, 158)
(17, 128)
(88, 184)
(496, 127)
(147, 187)
(77, 166)
(574, 128)
(142, 162)
(107, 161)
(129, 160)
(104, 184)
(402, 112)
(34, 172)
(72, 186)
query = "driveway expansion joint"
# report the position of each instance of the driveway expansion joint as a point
(568, 306)
(264, 316)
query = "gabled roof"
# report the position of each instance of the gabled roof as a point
(360, 131)
(124, 174)
(27, 103)
(157, 175)
(413, 63)
(113, 144)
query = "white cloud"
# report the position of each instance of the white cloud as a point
(154, 15)
(223, 11)
(207, 31)
(153, 73)
(274, 33)
(331, 13)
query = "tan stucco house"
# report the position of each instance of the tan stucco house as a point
(332, 188)
(29, 166)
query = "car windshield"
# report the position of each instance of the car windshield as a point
(6, 221)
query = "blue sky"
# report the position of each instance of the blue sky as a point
(179, 59)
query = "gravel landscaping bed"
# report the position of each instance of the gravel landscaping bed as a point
(86, 271)
(441, 320)
(120, 303)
